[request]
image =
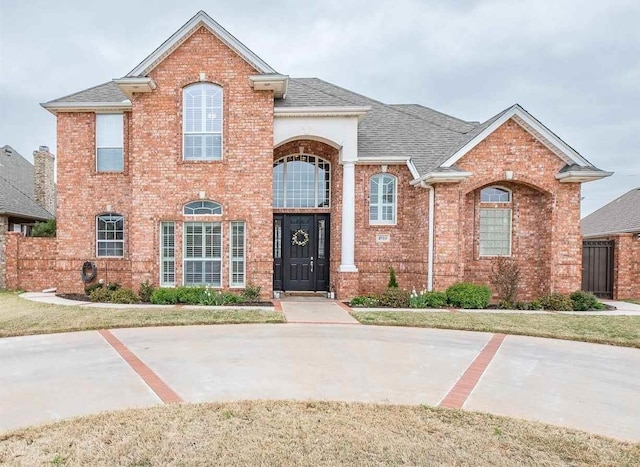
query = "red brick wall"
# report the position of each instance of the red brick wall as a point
(157, 182)
(626, 267)
(546, 240)
(30, 262)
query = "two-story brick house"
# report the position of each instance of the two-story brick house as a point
(204, 165)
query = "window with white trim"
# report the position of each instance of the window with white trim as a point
(237, 248)
(382, 199)
(167, 254)
(495, 222)
(202, 122)
(202, 253)
(301, 181)
(202, 208)
(110, 235)
(109, 142)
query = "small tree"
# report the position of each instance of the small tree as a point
(393, 282)
(505, 277)
(44, 229)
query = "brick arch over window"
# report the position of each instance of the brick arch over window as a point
(530, 211)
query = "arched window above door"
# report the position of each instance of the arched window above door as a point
(301, 181)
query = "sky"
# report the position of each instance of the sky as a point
(575, 65)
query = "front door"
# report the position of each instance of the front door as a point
(301, 252)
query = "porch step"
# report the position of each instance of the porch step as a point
(304, 294)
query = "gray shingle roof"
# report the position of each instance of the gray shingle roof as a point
(105, 92)
(16, 186)
(620, 215)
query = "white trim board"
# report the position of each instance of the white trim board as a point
(531, 125)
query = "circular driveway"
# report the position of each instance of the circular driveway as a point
(586, 386)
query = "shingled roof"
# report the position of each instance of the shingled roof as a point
(622, 215)
(16, 187)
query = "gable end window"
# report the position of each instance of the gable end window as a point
(109, 143)
(495, 222)
(202, 122)
(110, 235)
(382, 199)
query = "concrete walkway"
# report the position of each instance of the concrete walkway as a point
(586, 386)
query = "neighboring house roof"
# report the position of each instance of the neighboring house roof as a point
(16, 187)
(622, 215)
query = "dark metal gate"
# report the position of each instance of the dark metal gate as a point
(597, 267)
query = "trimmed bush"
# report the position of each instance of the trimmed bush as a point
(124, 295)
(145, 291)
(251, 293)
(100, 294)
(426, 299)
(556, 302)
(188, 295)
(113, 286)
(90, 288)
(394, 298)
(467, 295)
(365, 301)
(583, 301)
(164, 297)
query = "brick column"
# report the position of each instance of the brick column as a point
(566, 240)
(11, 252)
(4, 227)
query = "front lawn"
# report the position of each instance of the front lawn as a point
(632, 300)
(19, 317)
(614, 330)
(309, 434)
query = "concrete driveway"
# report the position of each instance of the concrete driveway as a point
(586, 386)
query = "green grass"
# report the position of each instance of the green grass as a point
(632, 300)
(613, 330)
(20, 317)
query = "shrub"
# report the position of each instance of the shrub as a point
(426, 299)
(145, 291)
(188, 295)
(505, 277)
(467, 295)
(365, 301)
(44, 229)
(164, 297)
(90, 288)
(394, 297)
(113, 286)
(393, 282)
(583, 301)
(556, 302)
(251, 293)
(100, 295)
(124, 295)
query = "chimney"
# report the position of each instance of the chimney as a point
(44, 189)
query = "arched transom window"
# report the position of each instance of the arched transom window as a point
(200, 208)
(495, 221)
(202, 122)
(301, 181)
(382, 199)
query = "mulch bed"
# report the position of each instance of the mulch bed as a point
(85, 298)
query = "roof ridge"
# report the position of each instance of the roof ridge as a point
(429, 121)
(439, 112)
(339, 87)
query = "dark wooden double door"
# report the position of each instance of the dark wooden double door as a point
(301, 252)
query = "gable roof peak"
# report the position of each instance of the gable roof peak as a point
(200, 19)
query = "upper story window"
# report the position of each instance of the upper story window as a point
(301, 181)
(109, 143)
(110, 235)
(202, 122)
(202, 208)
(382, 199)
(495, 223)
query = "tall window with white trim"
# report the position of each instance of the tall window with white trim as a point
(203, 253)
(382, 199)
(237, 249)
(109, 143)
(167, 254)
(495, 221)
(202, 122)
(301, 181)
(110, 235)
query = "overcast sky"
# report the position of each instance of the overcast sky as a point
(575, 65)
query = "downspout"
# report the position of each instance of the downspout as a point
(431, 239)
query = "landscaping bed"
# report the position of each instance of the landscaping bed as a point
(307, 434)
